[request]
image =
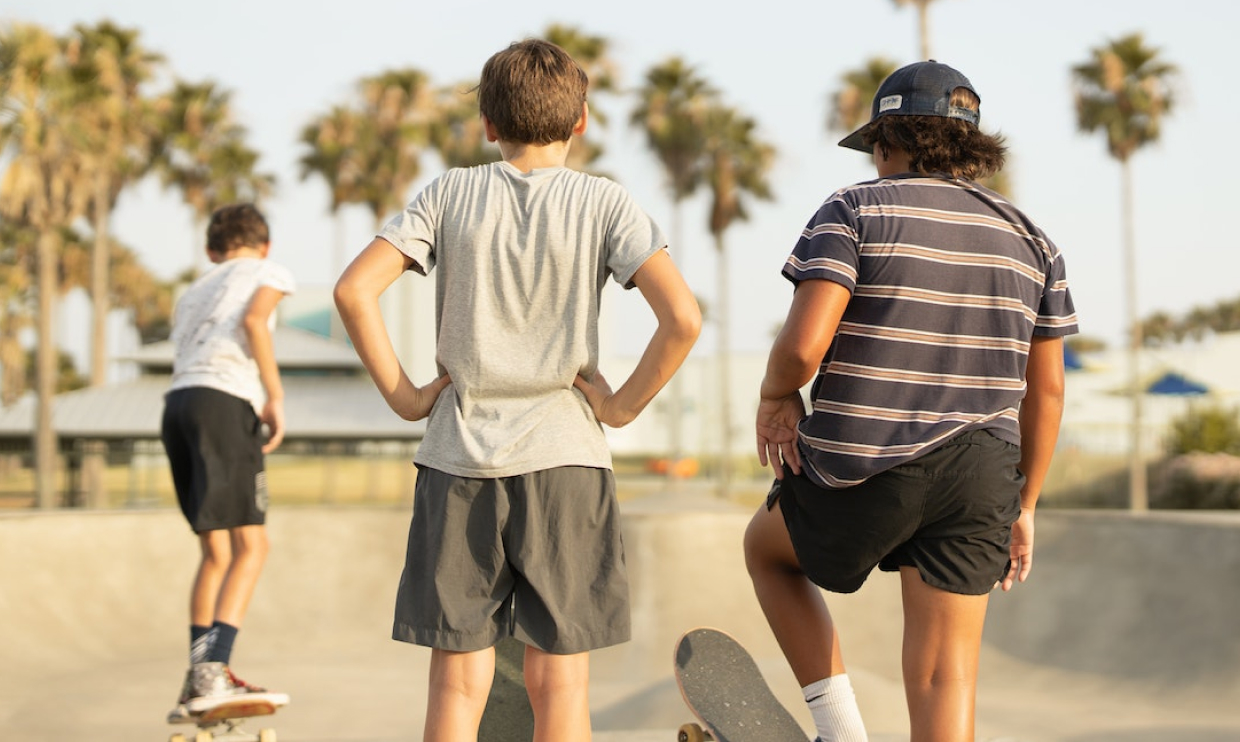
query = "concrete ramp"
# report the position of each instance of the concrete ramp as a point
(1127, 630)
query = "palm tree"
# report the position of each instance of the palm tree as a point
(456, 132)
(851, 104)
(201, 152)
(1125, 90)
(397, 113)
(43, 187)
(398, 108)
(672, 110)
(16, 297)
(592, 53)
(110, 67)
(738, 166)
(923, 23)
(330, 143)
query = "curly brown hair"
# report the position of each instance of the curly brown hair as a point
(236, 226)
(937, 144)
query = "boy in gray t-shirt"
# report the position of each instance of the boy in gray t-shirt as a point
(515, 527)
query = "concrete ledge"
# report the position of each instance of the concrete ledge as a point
(1127, 626)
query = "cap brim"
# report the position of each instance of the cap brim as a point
(856, 141)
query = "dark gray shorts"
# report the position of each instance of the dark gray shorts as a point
(536, 556)
(948, 513)
(214, 443)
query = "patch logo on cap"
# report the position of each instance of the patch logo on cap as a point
(890, 103)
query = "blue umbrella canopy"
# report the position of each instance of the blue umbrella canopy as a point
(1072, 360)
(1178, 385)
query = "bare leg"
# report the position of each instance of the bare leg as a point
(558, 685)
(249, 553)
(212, 570)
(793, 605)
(457, 694)
(942, 640)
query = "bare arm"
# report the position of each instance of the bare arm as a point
(1040, 413)
(680, 321)
(804, 339)
(258, 332)
(357, 299)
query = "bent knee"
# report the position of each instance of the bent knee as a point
(767, 546)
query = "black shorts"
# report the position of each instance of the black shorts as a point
(948, 513)
(214, 443)
(535, 556)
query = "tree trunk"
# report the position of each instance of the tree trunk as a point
(93, 464)
(1138, 495)
(676, 392)
(45, 444)
(724, 349)
(923, 27)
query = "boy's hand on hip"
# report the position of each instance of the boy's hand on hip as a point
(601, 399)
(418, 403)
(777, 432)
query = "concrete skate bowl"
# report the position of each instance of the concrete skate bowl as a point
(1126, 631)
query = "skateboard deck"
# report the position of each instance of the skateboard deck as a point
(508, 716)
(222, 722)
(722, 686)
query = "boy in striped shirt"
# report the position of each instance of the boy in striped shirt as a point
(930, 313)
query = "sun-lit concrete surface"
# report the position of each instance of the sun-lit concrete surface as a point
(1126, 632)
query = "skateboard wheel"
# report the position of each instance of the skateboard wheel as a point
(178, 737)
(266, 735)
(204, 737)
(691, 733)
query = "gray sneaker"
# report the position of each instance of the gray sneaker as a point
(180, 714)
(210, 679)
(212, 683)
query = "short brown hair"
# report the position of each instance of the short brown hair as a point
(936, 144)
(236, 226)
(532, 92)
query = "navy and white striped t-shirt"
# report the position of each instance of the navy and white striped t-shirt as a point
(949, 284)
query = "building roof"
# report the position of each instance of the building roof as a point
(315, 408)
(327, 396)
(295, 349)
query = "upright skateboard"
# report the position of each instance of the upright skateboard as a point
(222, 723)
(722, 686)
(508, 716)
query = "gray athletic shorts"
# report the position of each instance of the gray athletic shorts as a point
(948, 513)
(536, 556)
(214, 443)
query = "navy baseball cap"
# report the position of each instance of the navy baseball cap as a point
(919, 89)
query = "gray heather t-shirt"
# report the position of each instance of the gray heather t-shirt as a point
(522, 259)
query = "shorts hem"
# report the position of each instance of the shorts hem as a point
(943, 585)
(456, 641)
(204, 527)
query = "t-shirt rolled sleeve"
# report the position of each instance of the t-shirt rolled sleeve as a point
(632, 240)
(1056, 313)
(828, 248)
(279, 278)
(413, 231)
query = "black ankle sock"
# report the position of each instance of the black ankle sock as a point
(220, 644)
(198, 643)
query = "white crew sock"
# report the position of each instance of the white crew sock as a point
(834, 707)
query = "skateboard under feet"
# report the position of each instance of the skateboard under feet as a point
(722, 686)
(222, 723)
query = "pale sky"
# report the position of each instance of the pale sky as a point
(776, 61)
